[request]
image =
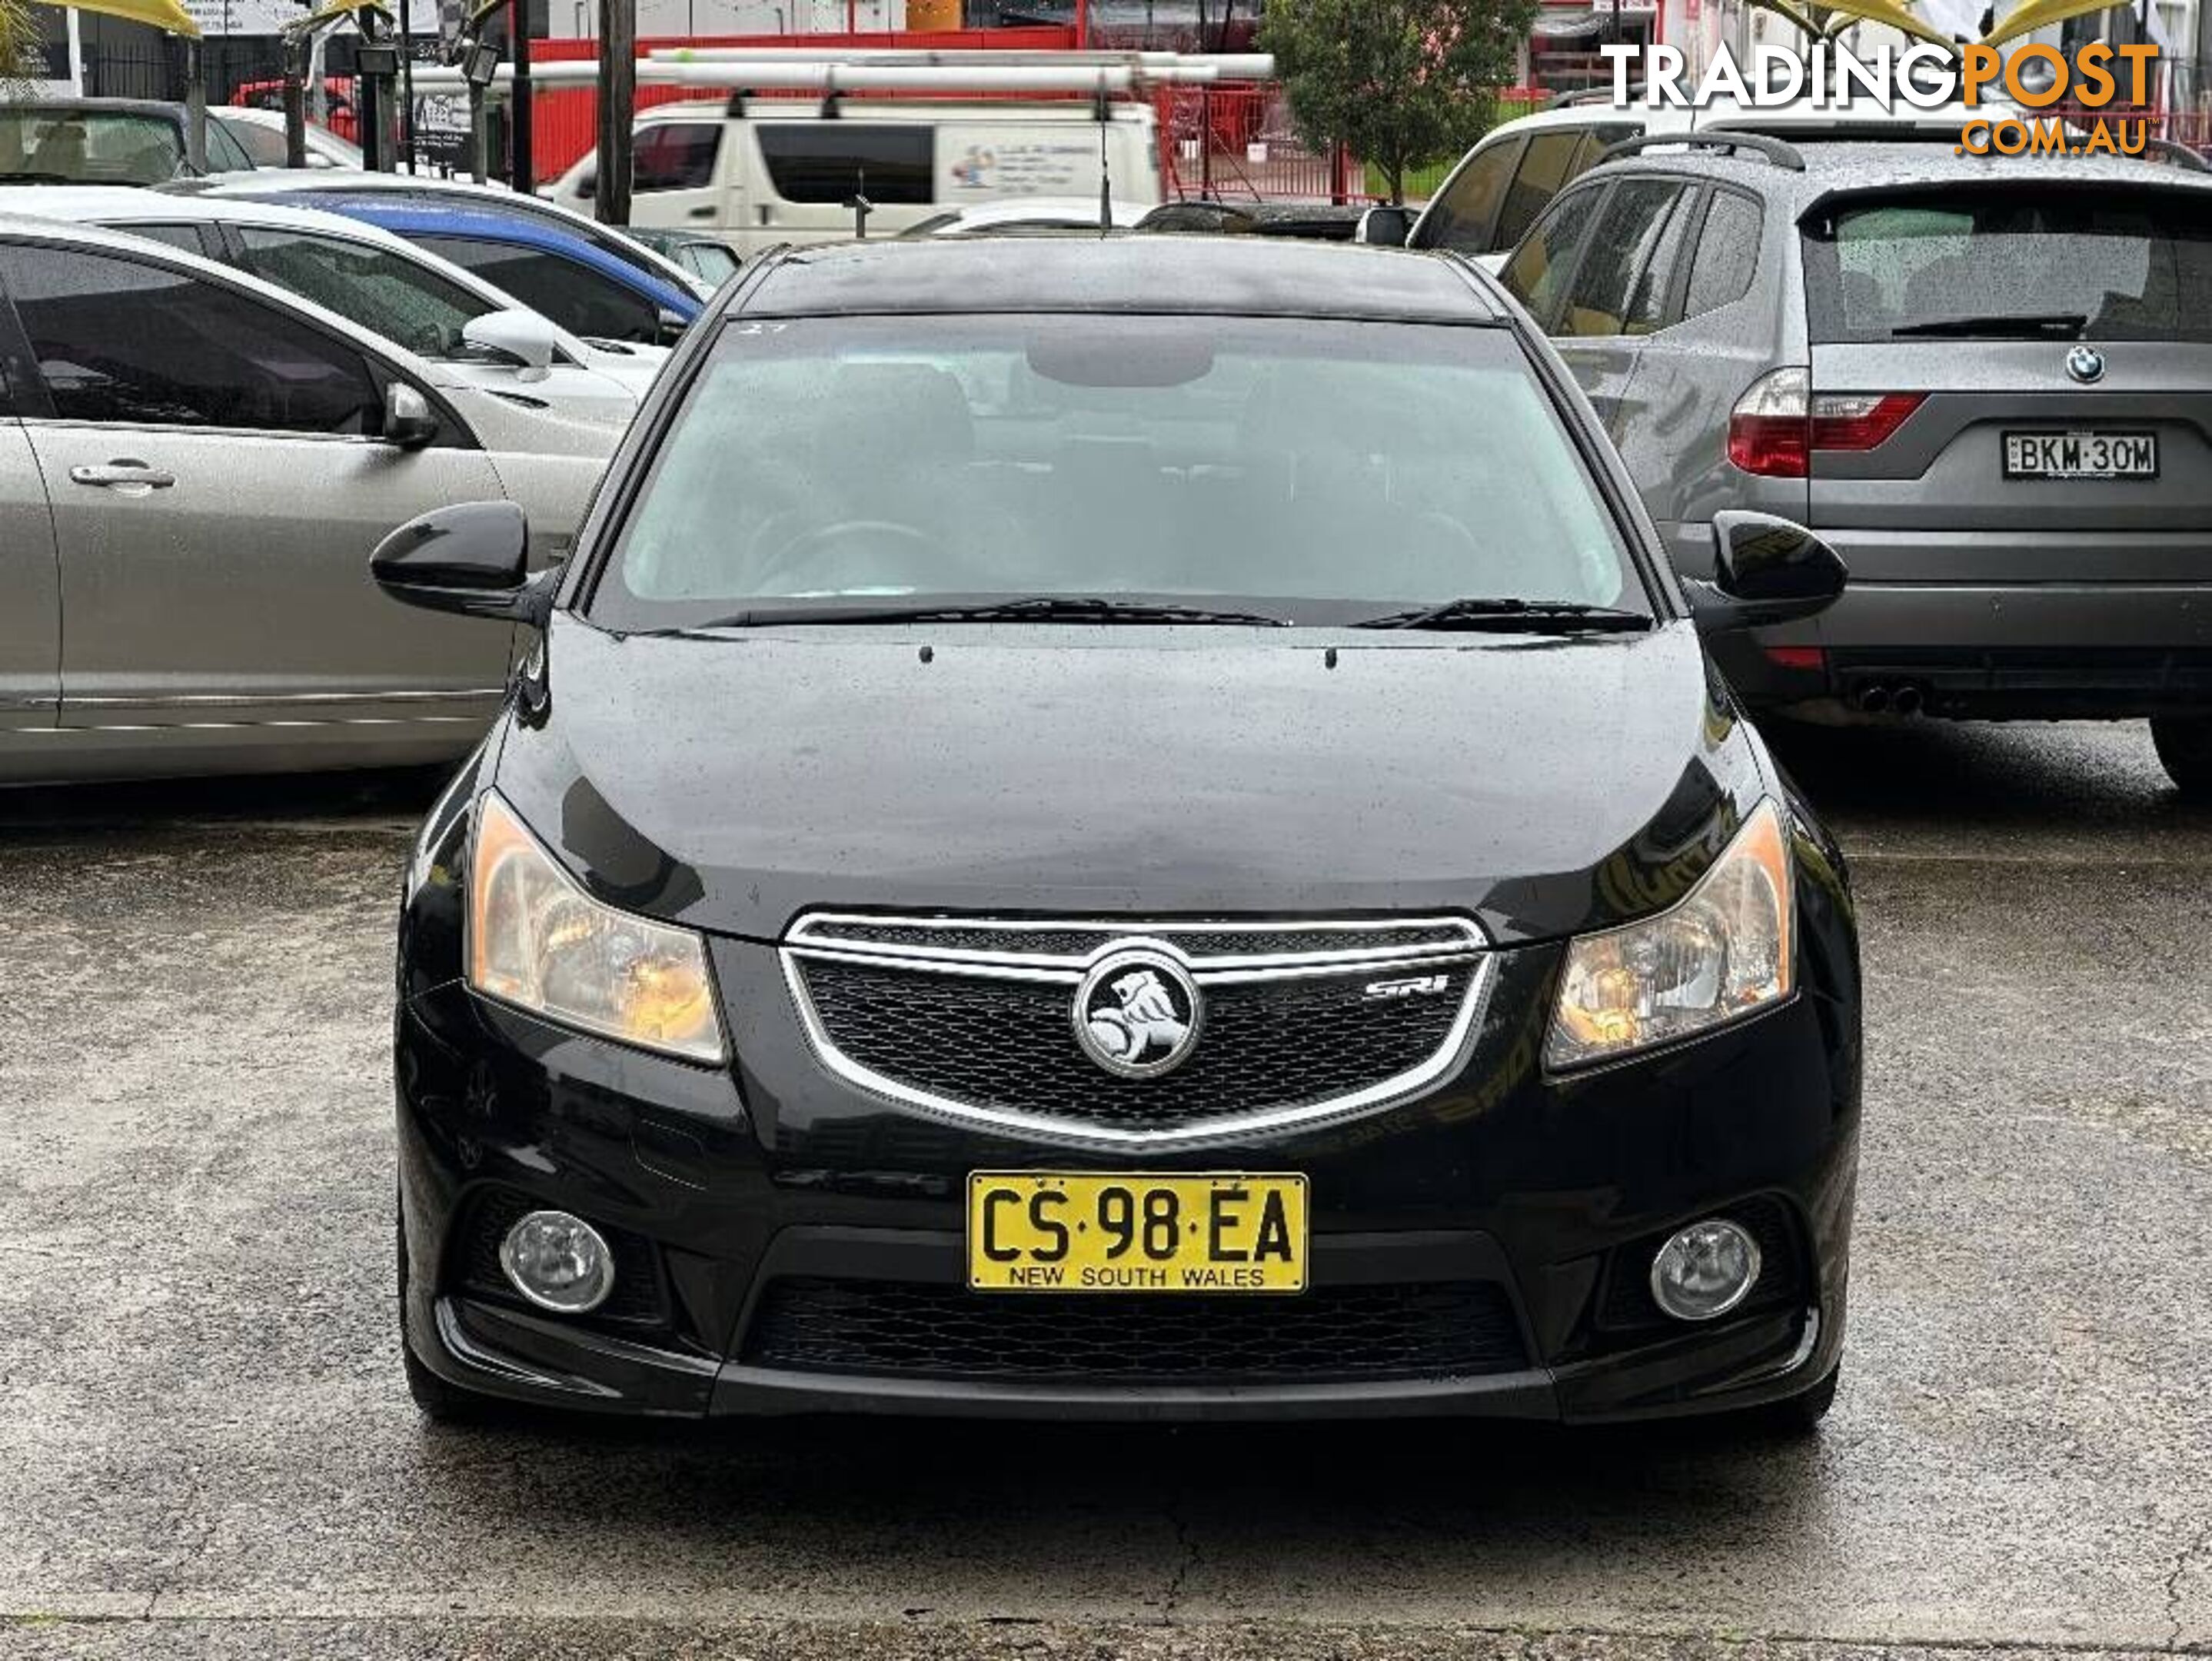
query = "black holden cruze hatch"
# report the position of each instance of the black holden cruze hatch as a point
(1132, 827)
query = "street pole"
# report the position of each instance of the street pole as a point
(407, 80)
(295, 101)
(196, 116)
(523, 174)
(617, 103)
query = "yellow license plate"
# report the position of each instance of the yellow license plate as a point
(1030, 1230)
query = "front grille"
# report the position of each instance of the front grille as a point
(1077, 940)
(637, 1296)
(1447, 1329)
(1010, 1044)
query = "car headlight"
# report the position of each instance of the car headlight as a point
(539, 942)
(1721, 952)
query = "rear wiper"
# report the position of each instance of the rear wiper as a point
(2032, 324)
(1517, 616)
(1035, 608)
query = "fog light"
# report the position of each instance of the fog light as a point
(558, 1263)
(1705, 1271)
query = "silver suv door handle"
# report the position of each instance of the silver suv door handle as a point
(121, 474)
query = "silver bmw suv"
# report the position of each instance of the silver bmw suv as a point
(1988, 383)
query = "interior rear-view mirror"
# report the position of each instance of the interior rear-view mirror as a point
(1386, 226)
(409, 420)
(1766, 571)
(1128, 358)
(522, 338)
(472, 557)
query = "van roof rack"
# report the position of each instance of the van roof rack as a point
(1781, 155)
(1587, 95)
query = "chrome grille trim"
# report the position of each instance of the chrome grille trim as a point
(1456, 940)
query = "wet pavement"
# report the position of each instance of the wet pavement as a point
(205, 1448)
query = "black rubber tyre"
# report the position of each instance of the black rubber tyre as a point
(1798, 1416)
(2184, 746)
(441, 1402)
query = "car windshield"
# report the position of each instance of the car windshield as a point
(1319, 471)
(2004, 262)
(89, 146)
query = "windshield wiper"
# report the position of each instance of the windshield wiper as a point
(1035, 608)
(2029, 324)
(1517, 616)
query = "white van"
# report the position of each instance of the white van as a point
(758, 171)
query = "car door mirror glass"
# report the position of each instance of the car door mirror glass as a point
(1386, 226)
(470, 557)
(1767, 570)
(522, 338)
(409, 420)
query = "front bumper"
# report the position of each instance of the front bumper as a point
(1541, 1198)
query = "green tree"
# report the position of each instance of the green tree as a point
(19, 43)
(1398, 83)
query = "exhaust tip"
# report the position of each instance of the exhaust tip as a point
(1907, 701)
(1873, 700)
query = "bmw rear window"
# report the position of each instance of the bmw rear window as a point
(2012, 263)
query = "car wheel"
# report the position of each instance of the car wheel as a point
(441, 1402)
(1796, 1415)
(2184, 746)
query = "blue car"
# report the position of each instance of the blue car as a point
(582, 287)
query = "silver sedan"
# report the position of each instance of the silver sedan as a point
(193, 469)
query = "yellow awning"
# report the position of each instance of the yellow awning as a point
(2034, 14)
(1889, 12)
(167, 14)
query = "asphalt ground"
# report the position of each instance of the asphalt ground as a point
(205, 1449)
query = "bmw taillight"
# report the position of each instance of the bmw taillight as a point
(1770, 428)
(1859, 421)
(1779, 422)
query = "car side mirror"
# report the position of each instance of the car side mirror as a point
(522, 338)
(409, 420)
(1386, 226)
(1766, 571)
(472, 558)
(673, 325)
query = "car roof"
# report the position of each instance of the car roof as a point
(64, 105)
(1833, 169)
(367, 184)
(1236, 277)
(424, 219)
(274, 119)
(1656, 117)
(1017, 209)
(115, 204)
(514, 207)
(117, 207)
